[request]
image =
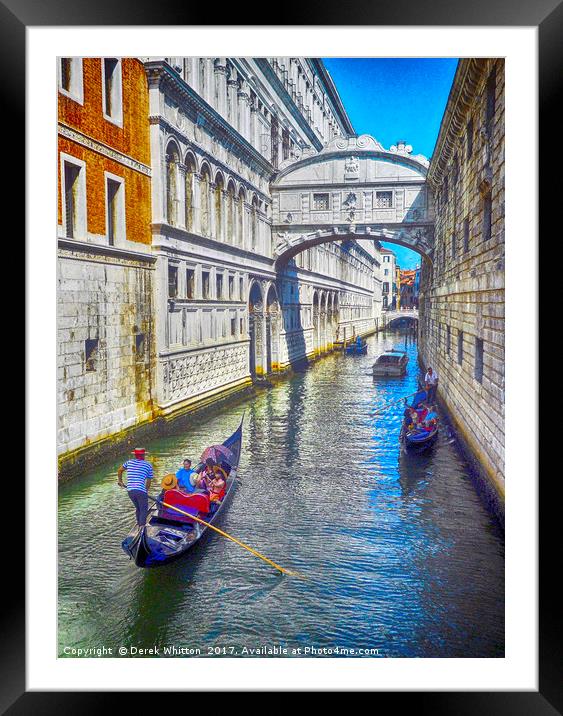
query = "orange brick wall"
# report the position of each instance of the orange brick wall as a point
(132, 139)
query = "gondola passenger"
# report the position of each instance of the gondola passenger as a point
(210, 472)
(186, 477)
(217, 488)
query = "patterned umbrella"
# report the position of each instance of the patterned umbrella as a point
(218, 453)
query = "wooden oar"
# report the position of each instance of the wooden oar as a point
(394, 402)
(228, 536)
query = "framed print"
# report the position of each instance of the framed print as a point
(275, 389)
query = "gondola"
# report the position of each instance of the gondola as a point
(357, 347)
(167, 534)
(419, 439)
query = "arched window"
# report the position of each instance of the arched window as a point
(231, 219)
(204, 191)
(219, 219)
(189, 192)
(172, 160)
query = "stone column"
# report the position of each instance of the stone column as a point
(212, 223)
(243, 96)
(220, 72)
(181, 203)
(254, 139)
(232, 86)
(196, 228)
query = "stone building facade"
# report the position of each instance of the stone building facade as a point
(462, 290)
(106, 344)
(220, 129)
(389, 278)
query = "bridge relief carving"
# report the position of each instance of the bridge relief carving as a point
(353, 189)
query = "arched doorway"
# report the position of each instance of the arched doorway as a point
(316, 323)
(256, 330)
(273, 321)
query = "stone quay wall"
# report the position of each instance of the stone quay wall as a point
(462, 290)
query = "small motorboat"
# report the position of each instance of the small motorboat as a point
(391, 363)
(168, 533)
(357, 347)
(423, 434)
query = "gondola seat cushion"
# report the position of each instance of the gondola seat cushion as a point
(193, 504)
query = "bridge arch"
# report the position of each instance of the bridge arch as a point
(353, 189)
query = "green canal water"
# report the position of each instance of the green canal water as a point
(399, 552)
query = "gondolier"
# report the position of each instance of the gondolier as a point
(139, 476)
(430, 385)
(177, 520)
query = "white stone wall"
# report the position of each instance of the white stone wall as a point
(105, 297)
(462, 292)
(204, 341)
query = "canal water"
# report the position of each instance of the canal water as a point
(398, 551)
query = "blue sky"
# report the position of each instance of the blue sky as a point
(392, 99)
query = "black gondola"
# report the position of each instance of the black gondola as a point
(168, 534)
(418, 439)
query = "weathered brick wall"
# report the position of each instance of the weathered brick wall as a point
(462, 292)
(132, 140)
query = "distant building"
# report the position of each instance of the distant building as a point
(408, 288)
(389, 278)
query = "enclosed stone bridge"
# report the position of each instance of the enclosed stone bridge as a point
(352, 189)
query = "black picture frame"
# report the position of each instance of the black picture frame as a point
(547, 15)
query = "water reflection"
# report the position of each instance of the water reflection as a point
(399, 552)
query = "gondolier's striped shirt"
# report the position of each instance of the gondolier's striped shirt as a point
(137, 472)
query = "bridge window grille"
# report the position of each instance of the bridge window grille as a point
(320, 202)
(453, 245)
(479, 360)
(448, 339)
(383, 199)
(460, 347)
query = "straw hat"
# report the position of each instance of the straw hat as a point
(169, 482)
